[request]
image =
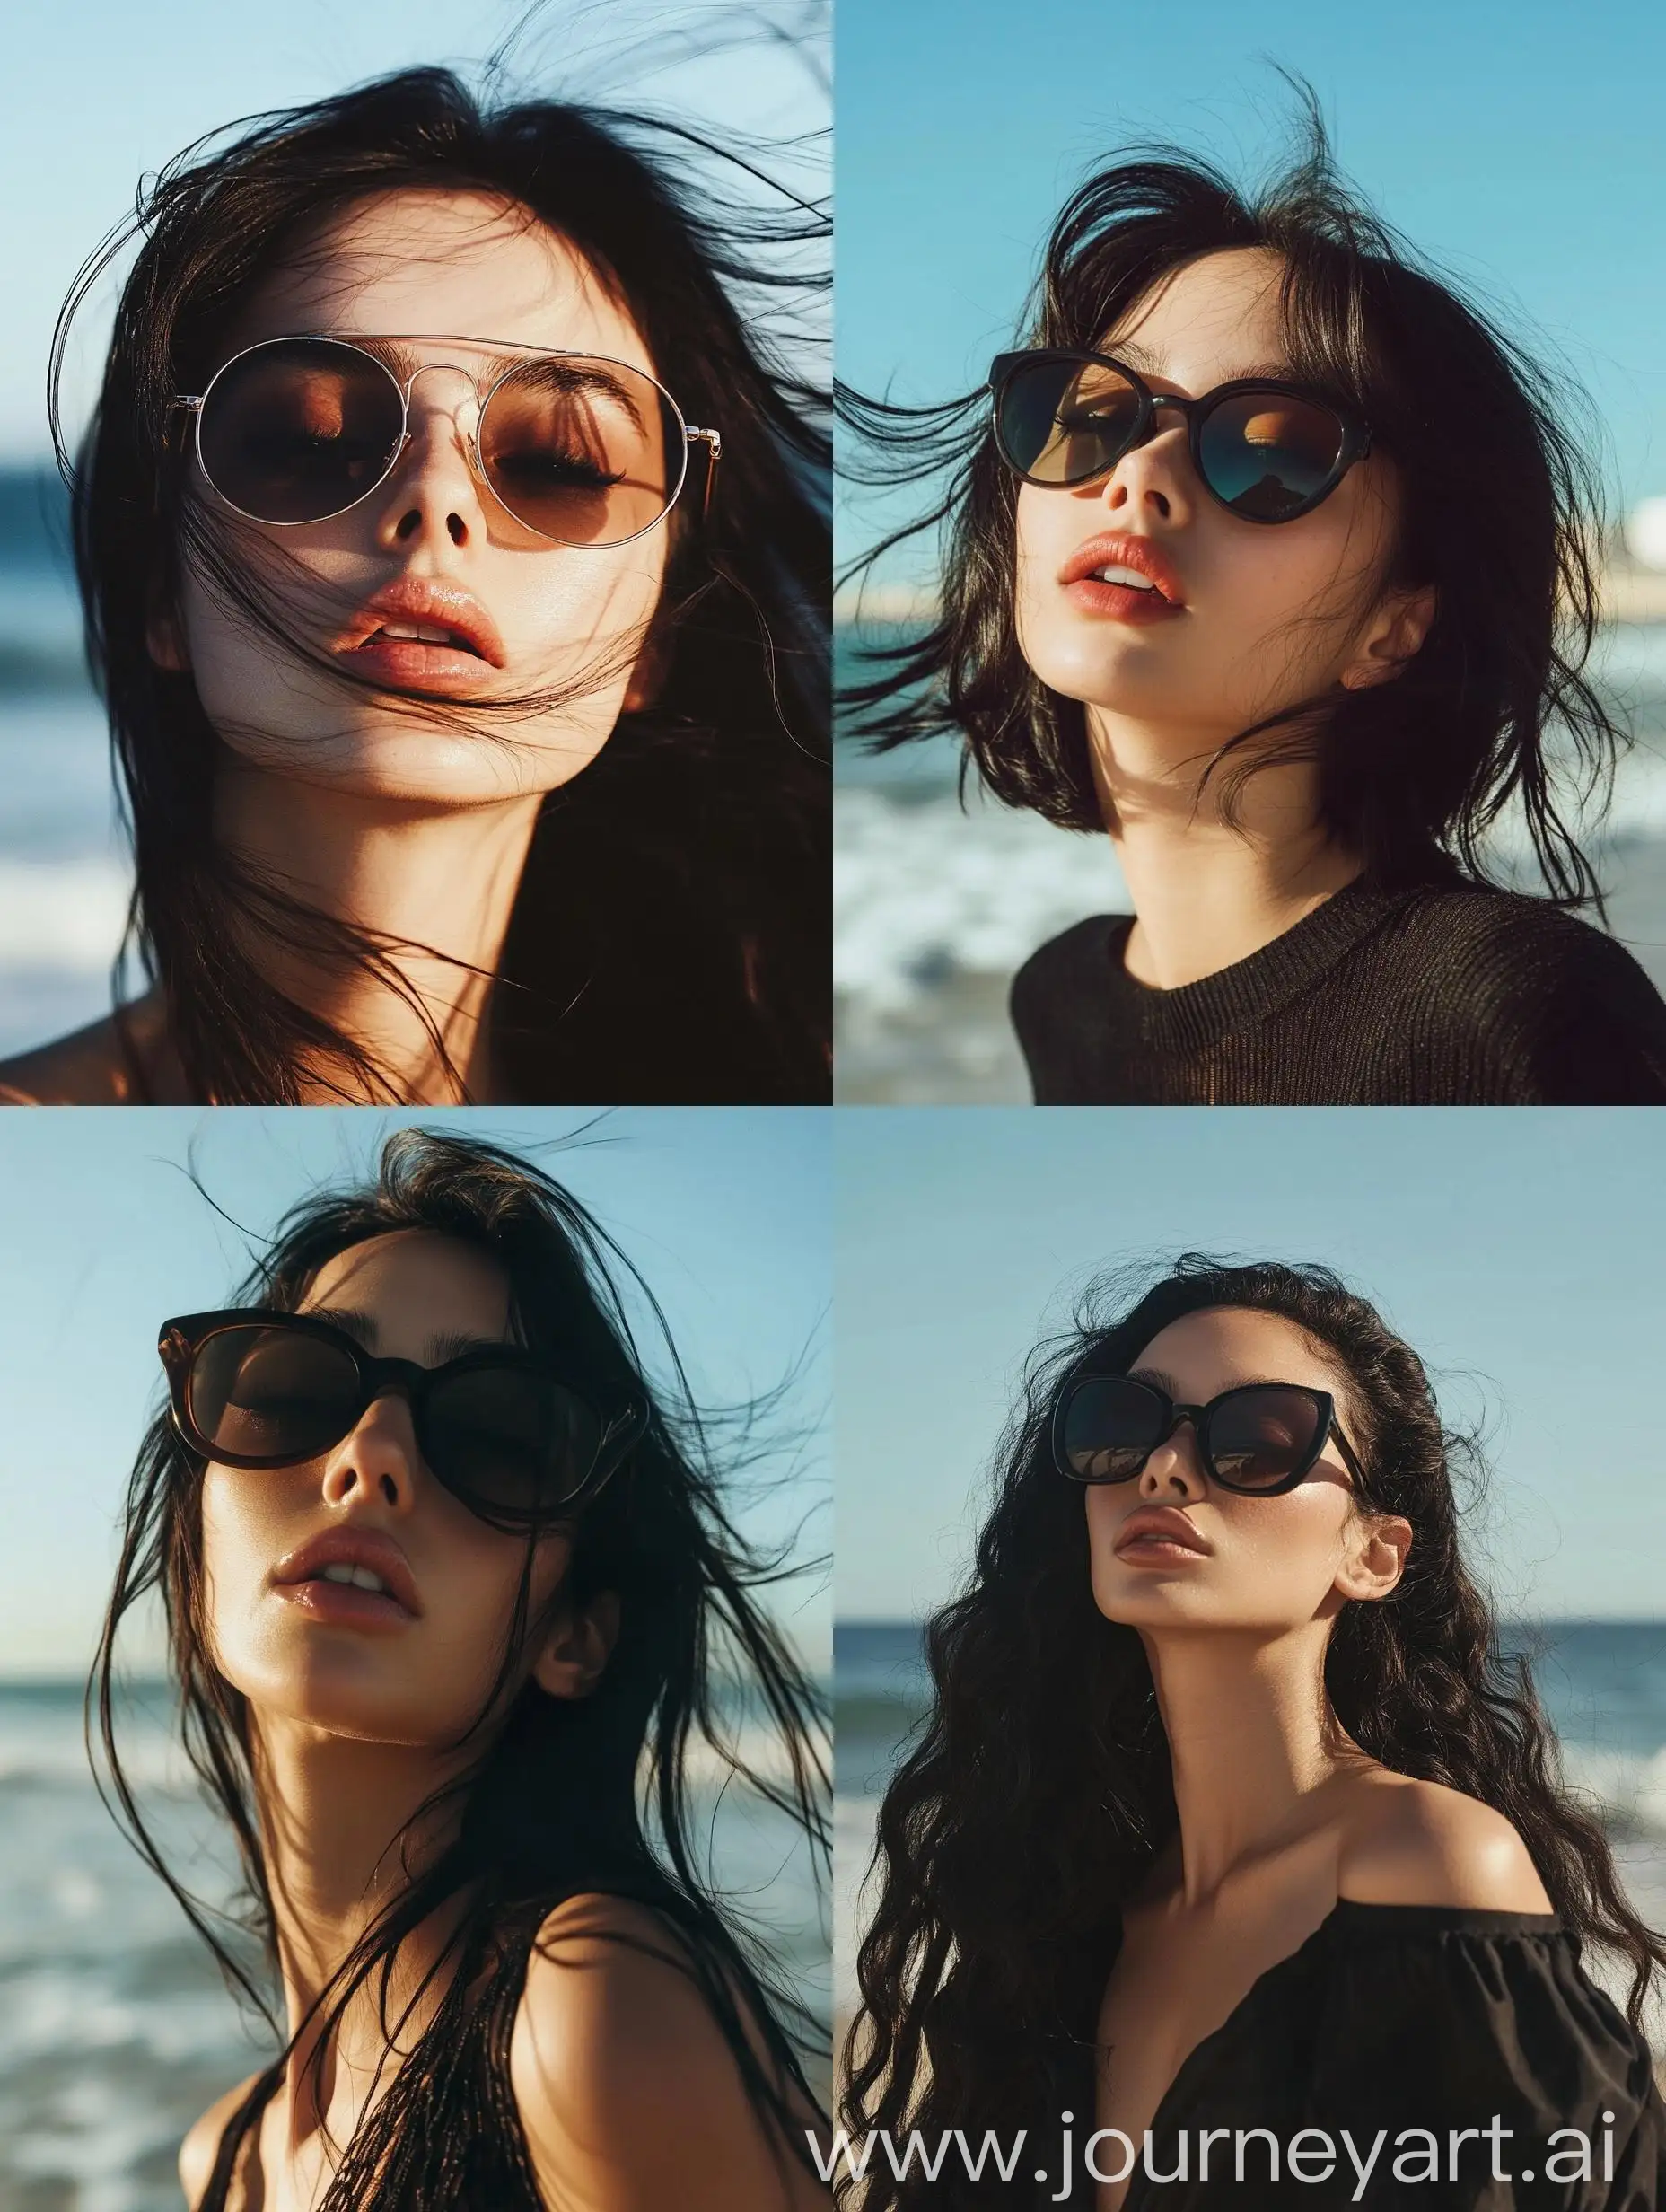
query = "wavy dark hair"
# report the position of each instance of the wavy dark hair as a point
(1040, 1787)
(555, 1803)
(1502, 512)
(671, 935)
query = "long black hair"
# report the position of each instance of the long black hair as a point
(1041, 1789)
(670, 939)
(1500, 511)
(553, 1803)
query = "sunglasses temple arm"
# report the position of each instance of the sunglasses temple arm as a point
(714, 446)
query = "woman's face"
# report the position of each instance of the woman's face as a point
(408, 1295)
(1269, 1564)
(457, 264)
(1263, 614)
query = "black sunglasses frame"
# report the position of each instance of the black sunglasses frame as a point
(1354, 445)
(180, 1341)
(1201, 1418)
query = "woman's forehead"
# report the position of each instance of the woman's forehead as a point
(451, 263)
(1224, 310)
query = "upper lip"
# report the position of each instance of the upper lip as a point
(1160, 1520)
(1119, 550)
(353, 1548)
(424, 599)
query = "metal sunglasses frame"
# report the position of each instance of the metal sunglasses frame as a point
(1355, 442)
(180, 1341)
(711, 439)
(1201, 1417)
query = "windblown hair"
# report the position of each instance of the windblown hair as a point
(1500, 511)
(1040, 1787)
(670, 939)
(555, 1801)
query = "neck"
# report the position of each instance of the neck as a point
(1207, 891)
(331, 1810)
(1251, 1736)
(435, 887)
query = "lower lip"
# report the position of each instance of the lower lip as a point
(1120, 602)
(343, 1604)
(411, 661)
(1157, 1550)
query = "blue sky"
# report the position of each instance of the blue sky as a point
(100, 91)
(726, 1212)
(1521, 148)
(1518, 1252)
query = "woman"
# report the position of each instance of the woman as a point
(469, 688)
(441, 1571)
(1228, 1813)
(1271, 560)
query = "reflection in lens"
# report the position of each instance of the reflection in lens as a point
(1259, 1436)
(1267, 454)
(271, 1394)
(511, 1441)
(300, 429)
(586, 451)
(1110, 1428)
(1065, 421)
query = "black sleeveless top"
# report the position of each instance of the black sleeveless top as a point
(1404, 2025)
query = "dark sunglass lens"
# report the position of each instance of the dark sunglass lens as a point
(1259, 1438)
(585, 451)
(1062, 422)
(300, 429)
(271, 1395)
(1267, 454)
(1111, 1427)
(509, 1441)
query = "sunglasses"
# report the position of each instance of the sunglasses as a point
(505, 1433)
(1266, 451)
(581, 450)
(1260, 1439)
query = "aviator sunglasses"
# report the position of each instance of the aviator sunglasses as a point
(1267, 452)
(504, 1433)
(1260, 1439)
(580, 449)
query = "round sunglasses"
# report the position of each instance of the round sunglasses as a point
(579, 449)
(515, 1442)
(1260, 1438)
(1266, 451)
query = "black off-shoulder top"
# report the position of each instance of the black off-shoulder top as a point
(1403, 2025)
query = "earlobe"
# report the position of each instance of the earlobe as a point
(165, 646)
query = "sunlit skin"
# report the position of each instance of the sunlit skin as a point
(352, 1729)
(408, 820)
(1273, 614)
(1281, 1812)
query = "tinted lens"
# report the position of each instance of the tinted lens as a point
(299, 429)
(1257, 1437)
(1268, 454)
(586, 451)
(1110, 1427)
(1062, 422)
(510, 1442)
(271, 1395)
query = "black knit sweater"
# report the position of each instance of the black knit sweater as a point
(1440, 995)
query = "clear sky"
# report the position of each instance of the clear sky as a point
(726, 1213)
(1521, 147)
(1519, 1250)
(99, 93)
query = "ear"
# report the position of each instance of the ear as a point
(1397, 632)
(648, 676)
(576, 1651)
(164, 641)
(1377, 1564)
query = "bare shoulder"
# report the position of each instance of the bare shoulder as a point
(202, 2141)
(627, 2089)
(87, 1068)
(1406, 1842)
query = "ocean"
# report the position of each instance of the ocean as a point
(117, 2028)
(936, 903)
(1602, 1684)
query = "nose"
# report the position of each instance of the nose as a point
(379, 1457)
(1175, 1466)
(433, 493)
(1152, 477)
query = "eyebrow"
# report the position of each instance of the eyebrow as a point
(1149, 364)
(444, 1346)
(564, 372)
